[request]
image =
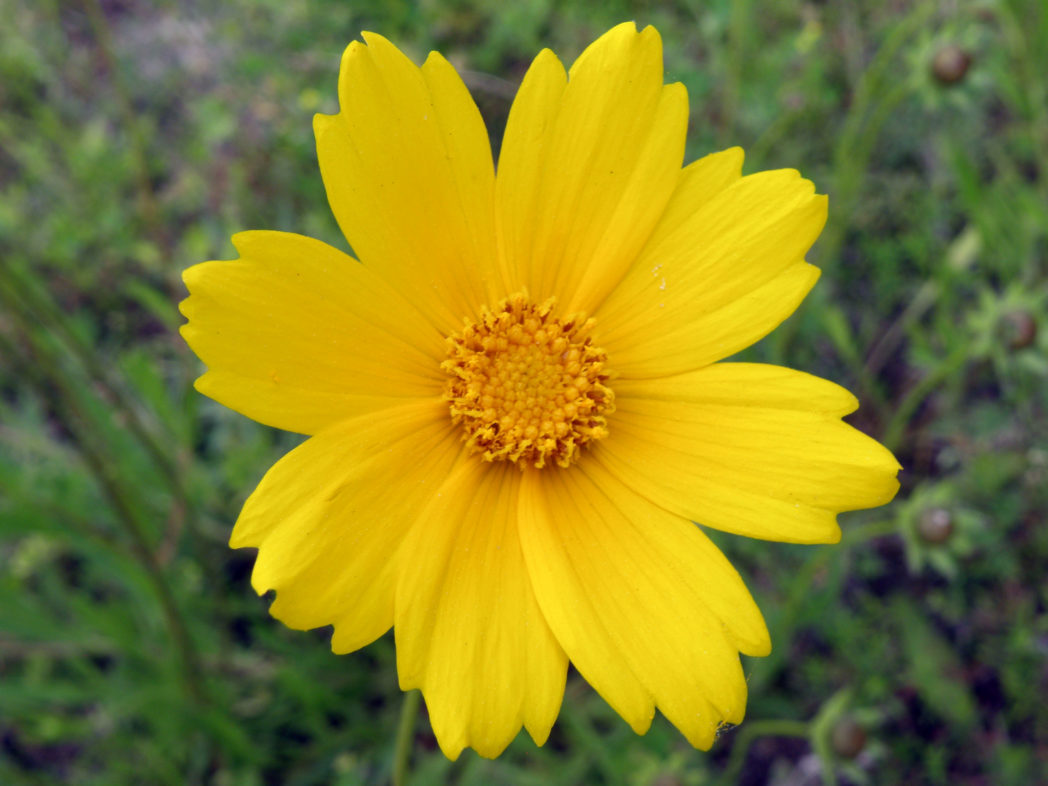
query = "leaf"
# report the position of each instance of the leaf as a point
(934, 669)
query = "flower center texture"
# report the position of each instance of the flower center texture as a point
(526, 386)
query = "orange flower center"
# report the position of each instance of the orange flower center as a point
(526, 386)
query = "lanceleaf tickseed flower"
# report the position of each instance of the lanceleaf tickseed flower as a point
(514, 399)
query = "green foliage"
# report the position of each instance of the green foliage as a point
(136, 137)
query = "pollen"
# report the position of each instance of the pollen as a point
(526, 386)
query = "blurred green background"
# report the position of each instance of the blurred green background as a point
(136, 136)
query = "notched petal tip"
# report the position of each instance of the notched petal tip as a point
(544, 59)
(452, 748)
(831, 537)
(676, 93)
(649, 35)
(237, 538)
(325, 125)
(734, 152)
(384, 53)
(184, 308)
(251, 239)
(887, 490)
(622, 29)
(261, 587)
(617, 44)
(354, 51)
(724, 166)
(193, 276)
(758, 649)
(491, 748)
(786, 186)
(640, 724)
(321, 120)
(436, 60)
(539, 734)
(376, 39)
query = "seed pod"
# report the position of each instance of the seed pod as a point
(950, 64)
(1020, 329)
(935, 526)
(847, 737)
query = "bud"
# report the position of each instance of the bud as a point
(950, 64)
(935, 526)
(848, 738)
(1019, 328)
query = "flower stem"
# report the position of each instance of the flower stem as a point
(855, 536)
(405, 736)
(895, 431)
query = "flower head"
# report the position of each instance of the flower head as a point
(514, 398)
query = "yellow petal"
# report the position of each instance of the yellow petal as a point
(297, 335)
(645, 606)
(408, 172)
(710, 284)
(469, 631)
(752, 449)
(701, 181)
(587, 166)
(330, 517)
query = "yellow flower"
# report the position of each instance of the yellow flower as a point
(514, 400)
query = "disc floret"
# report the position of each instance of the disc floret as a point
(527, 386)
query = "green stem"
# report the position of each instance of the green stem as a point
(855, 144)
(826, 758)
(45, 373)
(142, 551)
(1026, 68)
(801, 587)
(738, 30)
(585, 737)
(869, 531)
(853, 158)
(924, 299)
(41, 308)
(896, 428)
(405, 737)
